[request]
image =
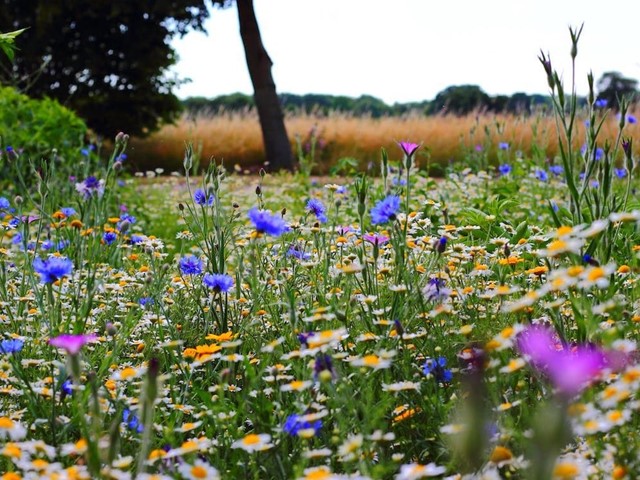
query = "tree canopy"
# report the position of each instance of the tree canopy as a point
(106, 59)
(613, 86)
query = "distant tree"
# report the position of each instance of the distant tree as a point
(613, 86)
(108, 60)
(460, 100)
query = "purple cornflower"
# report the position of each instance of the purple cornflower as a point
(218, 282)
(375, 239)
(4, 204)
(440, 245)
(435, 290)
(68, 211)
(601, 103)
(503, 146)
(504, 169)
(265, 222)
(437, 369)
(631, 119)
(201, 198)
(569, 369)
(190, 265)
(71, 343)
(90, 186)
(316, 207)
(53, 268)
(385, 210)
(409, 148)
(132, 420)
(323, 363)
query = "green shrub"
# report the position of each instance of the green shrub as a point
(37, 130)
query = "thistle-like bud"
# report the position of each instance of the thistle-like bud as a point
(258, 190)
(546, 63)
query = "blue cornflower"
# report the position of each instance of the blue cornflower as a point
(593, 183)
(316, 207)
(620, 172)
(631, 119)
(11, 346)
(504, 169)
(399, 182)
(14, 222)
(601, 103)
(435, 290)
(109, 237)
(437, 370)
(137, 239)
(68, 211)
(4, 204)
(299, 254)
(503, 146)
(46, 245)
(541, 175)
(190, 265)
(132, 421)
(265, 222)
(201, 198)
(122, 157)
(67, 387)
(323, 363)
(218, 282)
(90, 186)
(599, 153)
(53, 268)
(556, 169)
(144, 301)
(385, 210)
(294, 423)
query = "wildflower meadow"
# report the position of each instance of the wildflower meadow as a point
(380, 325)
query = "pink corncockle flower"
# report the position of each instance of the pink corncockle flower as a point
(570, 369)
(409, 148)
(375, 238)
(71, 343)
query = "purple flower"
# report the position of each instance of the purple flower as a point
(200, 197)
(265, 222)
(569, 369)
(323, 363)
(631, 119)
(218, 282)
(295, 252)
(504, 169)
(375, 239)
(4, 204)
(385, 210)
(71, 343)
(316, 207)
(409, 148)
(294, 423)
(90, 186)
(53, 268)
(190, 265)
(503, 146)
(601, 103)
(599, 153)
(435, 290)
(68, 211)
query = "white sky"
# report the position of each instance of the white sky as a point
(409, 50)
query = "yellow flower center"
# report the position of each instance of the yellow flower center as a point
(252, 438)
(199, 472)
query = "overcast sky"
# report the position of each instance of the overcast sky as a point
(409, 50)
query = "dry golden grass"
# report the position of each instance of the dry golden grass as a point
(236, 138)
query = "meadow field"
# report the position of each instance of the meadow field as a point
(235, 138)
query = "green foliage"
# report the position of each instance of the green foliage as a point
(35, 129)
(107, 60)
(460, 100)
(7, 43)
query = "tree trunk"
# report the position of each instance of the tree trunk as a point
(274, 134)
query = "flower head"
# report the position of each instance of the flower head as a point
(265, 222)
(71, 343)
(504, 169)
(201, 198)
(53, 268)
(409, 148)
(316, 207)
(11, 346)
(90, 186)
(437, 369)
(190, 265)
(385, 210)
(218, 282)
(375, 238)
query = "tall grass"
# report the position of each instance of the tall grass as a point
(235, 137)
